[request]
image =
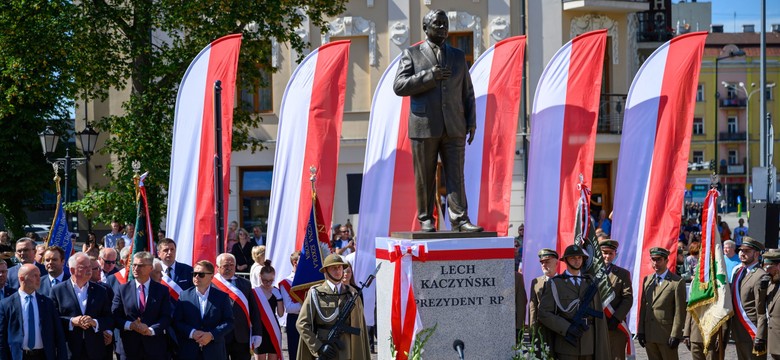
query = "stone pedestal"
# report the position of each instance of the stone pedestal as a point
(465, 285)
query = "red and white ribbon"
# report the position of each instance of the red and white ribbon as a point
(740, 313)
(173, 289)
(623, 327)
(121, 276)
(238, 297)
(268, 317)
(406, 321)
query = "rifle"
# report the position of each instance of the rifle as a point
(585, 310)
(340, 326)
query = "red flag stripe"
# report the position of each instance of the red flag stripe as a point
(323, 135)
(501, 114)
(579, 128)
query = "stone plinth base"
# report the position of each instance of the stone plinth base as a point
(463, 284)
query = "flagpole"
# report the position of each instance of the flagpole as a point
(218, 185)
(56, 179)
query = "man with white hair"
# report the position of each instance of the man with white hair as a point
(108, 261)
(83, 324)
(237, 340)
(731, 257)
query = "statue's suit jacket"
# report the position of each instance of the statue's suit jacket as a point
(436, 106)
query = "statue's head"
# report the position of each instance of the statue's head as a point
(436, 26)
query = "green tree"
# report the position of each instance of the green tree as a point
(41, 64)
(154, 42)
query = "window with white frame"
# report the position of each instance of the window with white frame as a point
(700, 93)
(731, 92)
(698, 126)
(732, 124)
(698, 156)
(732, 157)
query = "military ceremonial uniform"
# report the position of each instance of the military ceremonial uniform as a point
(662, 311)
(537, 288)
(318, 315)
(521, 300)
(620, 282)
(693, 334)
(556, 311)
(753, 300)
(773, 308)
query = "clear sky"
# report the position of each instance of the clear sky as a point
(731, 12)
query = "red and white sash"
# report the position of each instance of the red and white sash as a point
(268, 316)
(740, 313)
(121, 276)
(623, 327)
(286, 285)
(173, 288)
(235, 294)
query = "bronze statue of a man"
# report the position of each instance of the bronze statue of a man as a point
(441, 113)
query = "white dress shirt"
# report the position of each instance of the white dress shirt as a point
(81, 295)
(37, 330)
(203, 300)
(290, 306)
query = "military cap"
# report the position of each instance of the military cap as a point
(547, 252)
(609, 243)
(659, 251)
(333, 260)
(574, 250)
(772, 256)
(750, 243)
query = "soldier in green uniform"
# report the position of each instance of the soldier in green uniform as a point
(319, 313)
(548, 259)
(749, 324)
(661, 309)
(620, 282)
(561, 300)
(772, 268)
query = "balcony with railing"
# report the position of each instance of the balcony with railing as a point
(611, 109)
(732, 102)
(732, 136)
(627, 6)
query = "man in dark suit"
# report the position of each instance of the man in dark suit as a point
(180, 273)
(108, 261)
(238, 340)
(442, 112)
(29, 328)
(85, 310)
(661, 309)
(257, 236)
(54, 261)
(202, 318)
(5, 290)
(142, 309)
(25, 253)
(749, 291)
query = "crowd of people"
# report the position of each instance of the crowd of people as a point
(104, 302)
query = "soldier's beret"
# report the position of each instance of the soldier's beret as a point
(750, 243)
(609, 243)
(659, 251)
(772, 256)
(547, 253)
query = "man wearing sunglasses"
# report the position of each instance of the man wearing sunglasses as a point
(203, 317)
(108, 257)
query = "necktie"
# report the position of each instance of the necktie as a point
(658, 280)
(142, 300)
(53, 281)
(30, 323)
(168, 272)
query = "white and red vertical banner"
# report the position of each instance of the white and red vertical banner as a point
(653, 159)
(191, 205)
(497, 78)
(388, 196)
(563, 142)
(309, 135)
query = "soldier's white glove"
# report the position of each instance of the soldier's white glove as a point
(256, 341)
